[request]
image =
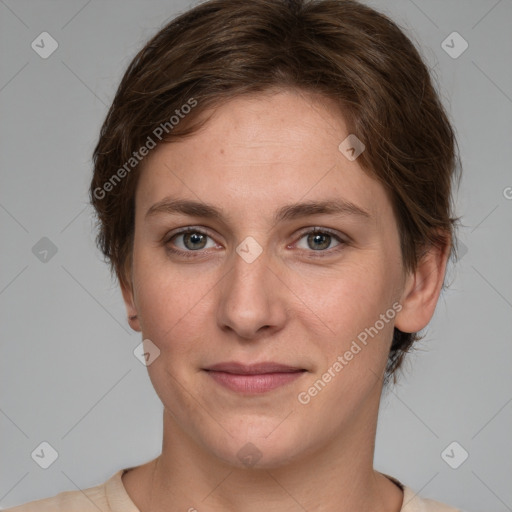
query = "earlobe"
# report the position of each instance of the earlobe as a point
(131, 309)
(422, 289)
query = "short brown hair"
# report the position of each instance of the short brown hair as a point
(340, 49)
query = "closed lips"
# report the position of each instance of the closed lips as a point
(254, 369)
(253, 379)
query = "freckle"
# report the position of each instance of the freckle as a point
(221, 151)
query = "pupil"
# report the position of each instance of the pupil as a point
(318, 238)
(194, 238)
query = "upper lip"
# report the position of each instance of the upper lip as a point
(253, 369)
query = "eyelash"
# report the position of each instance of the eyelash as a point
(191, 254)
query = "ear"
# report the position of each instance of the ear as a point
(129, 302)
(422, 289)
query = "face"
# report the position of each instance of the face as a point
(267, 271)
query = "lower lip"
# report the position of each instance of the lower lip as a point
(259, 383)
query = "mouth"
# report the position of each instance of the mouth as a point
(253, 379)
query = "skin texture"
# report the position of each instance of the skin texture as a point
(294, 304)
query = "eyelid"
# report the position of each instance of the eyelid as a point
(184, 230)
(320, 229)
(168, 237)
(342, 240)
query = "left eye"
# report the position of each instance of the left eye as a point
(319, 240)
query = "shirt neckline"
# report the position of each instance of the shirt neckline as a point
(119, 500)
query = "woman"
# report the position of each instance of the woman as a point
(273, 186)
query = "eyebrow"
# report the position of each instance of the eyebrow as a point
(192, 208)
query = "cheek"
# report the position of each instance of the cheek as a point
(351, 299)
(357, 326)
(173, 304)
(352, 343)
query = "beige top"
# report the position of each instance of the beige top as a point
(111, 496)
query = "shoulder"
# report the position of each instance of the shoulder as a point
(109, 496)
(87, 500)
(414, 503)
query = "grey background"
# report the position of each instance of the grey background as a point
(68, 373)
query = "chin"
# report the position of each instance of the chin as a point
(266, 447)
(256, 455)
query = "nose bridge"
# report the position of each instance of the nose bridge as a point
(250, 267)
(248, 299)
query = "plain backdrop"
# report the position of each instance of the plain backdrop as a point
(68, 373)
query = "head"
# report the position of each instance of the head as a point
(246, 108)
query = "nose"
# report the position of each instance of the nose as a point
(252, 300)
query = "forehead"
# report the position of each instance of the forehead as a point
(258, 152)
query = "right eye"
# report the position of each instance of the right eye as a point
(190, 240)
